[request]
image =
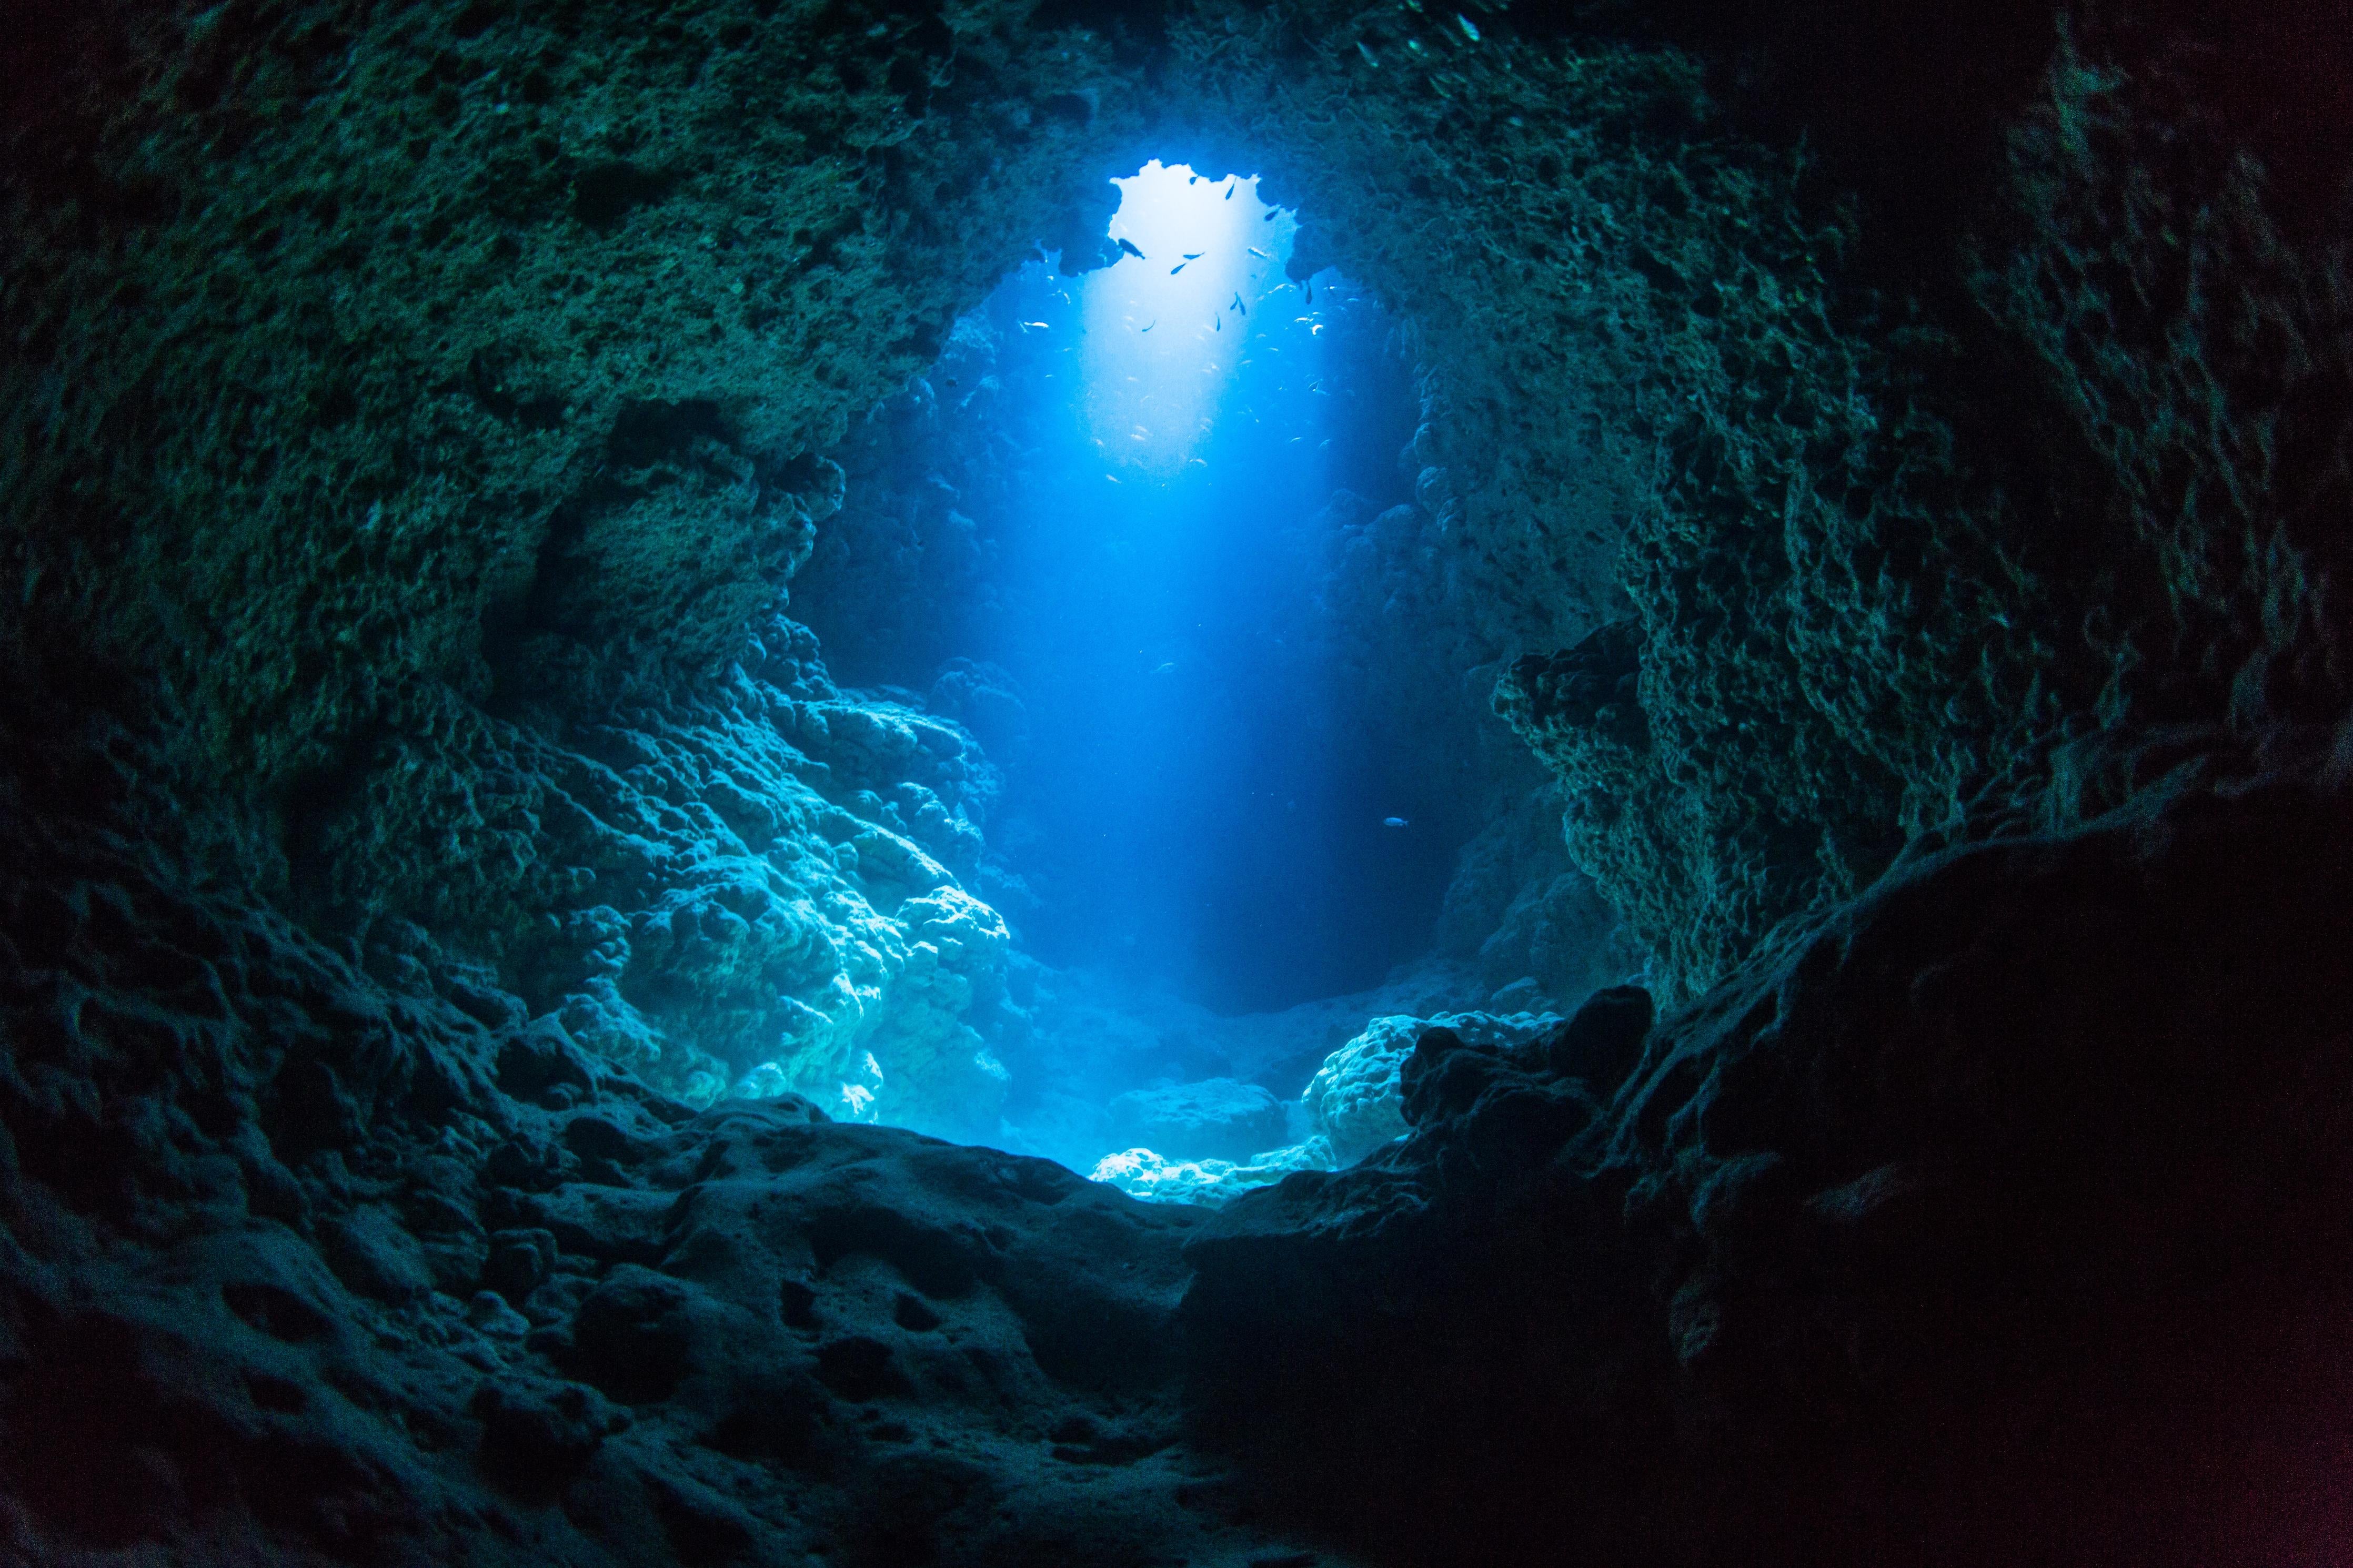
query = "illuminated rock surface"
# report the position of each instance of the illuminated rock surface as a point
(1357, 1100)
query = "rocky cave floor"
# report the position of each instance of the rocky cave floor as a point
(301, 1270)
(1941, 1233)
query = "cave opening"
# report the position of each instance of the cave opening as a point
(1105, 534)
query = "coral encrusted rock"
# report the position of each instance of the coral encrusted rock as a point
(375, 375)
(758, 891)
(1357, 1099)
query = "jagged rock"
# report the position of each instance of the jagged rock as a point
(411, 414)
(1809, 1273)
(371, 1252)
(536, 1435)
(1357, 1099)
(594, 1327)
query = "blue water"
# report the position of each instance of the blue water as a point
(1206, 803)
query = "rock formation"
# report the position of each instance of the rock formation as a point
(300, 1269)
(1888, 466)
(1998, 1219)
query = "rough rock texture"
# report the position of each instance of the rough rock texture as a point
(767, 881)
(297, 1269)
(370, 367)
(1357, 1100)
(1999, 1220)
(409, 419)
(477, 364)
(1928, 493)
(1208, 1143)
(516, 328)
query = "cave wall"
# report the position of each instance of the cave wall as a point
(1903, 408)
(2034, 444)
(420, 416)
(399, 399)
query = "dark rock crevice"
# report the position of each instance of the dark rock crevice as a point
(1994, 1219)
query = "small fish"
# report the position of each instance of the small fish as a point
(1237, 304)
(1307, 290)
(1194, 181)
(1195, 255)
(1470, 29)
(1164, 670)
(1270, 214)
(1156, 321)
(1129, 245)
(1220, 323)
(1229, 193)
(1178, 267)
(1371, 58)
(1034, 327)
(1393, 822)
(1254, 251)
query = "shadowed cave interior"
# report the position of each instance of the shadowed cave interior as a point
(853, 783)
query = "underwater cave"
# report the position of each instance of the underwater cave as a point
(1199, 783)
